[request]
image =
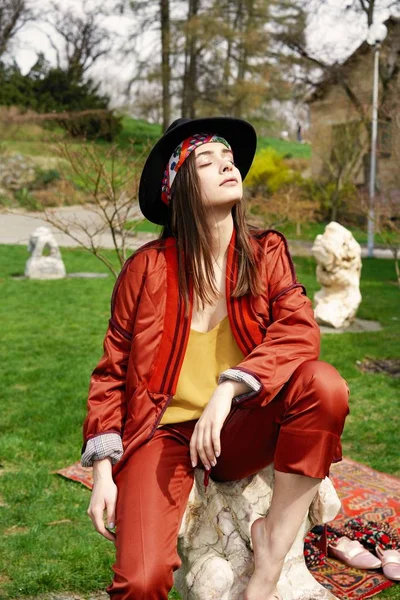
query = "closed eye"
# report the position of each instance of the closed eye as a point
(206, 164)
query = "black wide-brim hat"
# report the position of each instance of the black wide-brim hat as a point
(239, 133)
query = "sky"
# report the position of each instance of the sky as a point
(342, 32)
(341, 35)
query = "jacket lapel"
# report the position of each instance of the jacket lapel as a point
(176, 328)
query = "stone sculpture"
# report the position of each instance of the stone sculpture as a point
(39, 266)
(214, 541)
(338, 257)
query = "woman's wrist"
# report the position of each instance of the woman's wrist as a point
(102, 469)
(235, 388)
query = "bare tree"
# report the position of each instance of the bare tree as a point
(369, 7)
(389, 226)
(108, 184)
(165, 61)
(386, 220)
(14, 14)
(191, 54)
(150, 16)
(342, 164)
(387, 198)
(111, 181)
(84, 38)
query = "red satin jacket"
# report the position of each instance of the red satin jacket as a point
(145, 342)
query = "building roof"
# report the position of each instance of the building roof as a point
(332, 77)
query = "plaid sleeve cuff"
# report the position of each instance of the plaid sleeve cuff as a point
(243, 377)
(102, 446)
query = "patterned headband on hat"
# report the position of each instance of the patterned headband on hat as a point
(179, 156)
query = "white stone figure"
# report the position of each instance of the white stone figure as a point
(44, 267)
(214, 541)
(338, 257)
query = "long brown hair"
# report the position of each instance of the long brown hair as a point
(187, 222)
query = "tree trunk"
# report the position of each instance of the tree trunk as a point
(13, 14)
(190, 75)
(227, 63)
(248, 18)
(368, 6)
(242, 58)
(230, 45)
(165, 62)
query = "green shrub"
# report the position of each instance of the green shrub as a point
(269, 173)
(45, 177)
(26, 200)
(52, 90)
(326, 194)
(5, 200)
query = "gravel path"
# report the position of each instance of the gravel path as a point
(17, 226)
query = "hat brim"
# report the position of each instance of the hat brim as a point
(239, 133)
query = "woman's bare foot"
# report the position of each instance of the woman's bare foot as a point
(268, 567)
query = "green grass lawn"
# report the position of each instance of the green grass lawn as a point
(141, 132)
(285, 148)
(136, 135)
(138, 132)
(51, 340)
(308, 232)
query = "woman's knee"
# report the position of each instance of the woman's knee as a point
(330, 390)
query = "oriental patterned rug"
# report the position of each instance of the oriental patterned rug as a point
(365, 493)
(371, 496)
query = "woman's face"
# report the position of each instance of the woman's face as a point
(214, 165)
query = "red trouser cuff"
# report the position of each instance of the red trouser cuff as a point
(307, 453)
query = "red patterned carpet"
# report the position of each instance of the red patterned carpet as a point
(364, 493)
(371, 496)
(78, 473)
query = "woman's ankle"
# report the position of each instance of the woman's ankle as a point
(276, 540)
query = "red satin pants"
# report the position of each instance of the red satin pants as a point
(299, 431)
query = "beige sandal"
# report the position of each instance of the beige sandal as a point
(390, 563)
(353, 554)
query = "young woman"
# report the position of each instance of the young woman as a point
(210, 361)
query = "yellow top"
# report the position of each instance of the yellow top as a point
(207, 356)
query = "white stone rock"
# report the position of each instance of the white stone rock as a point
(338, 257)
(44, 267)
(16, 172)
(214, 541)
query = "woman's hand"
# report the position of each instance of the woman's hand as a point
(205, 441)
(104, 497)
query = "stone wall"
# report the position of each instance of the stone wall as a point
(16, 172)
